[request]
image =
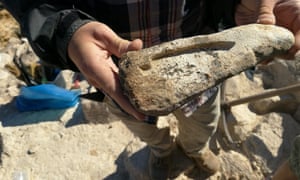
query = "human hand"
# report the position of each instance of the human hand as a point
(255, 11)
(91, 48)
(285, 13)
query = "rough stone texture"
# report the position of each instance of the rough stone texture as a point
(265, 138)
(9, 27)
(161, 78)
(270, 142)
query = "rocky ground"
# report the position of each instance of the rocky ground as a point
(87, 142)
(9, 27)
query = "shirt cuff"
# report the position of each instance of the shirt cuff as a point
(65, 41)
(68, 25)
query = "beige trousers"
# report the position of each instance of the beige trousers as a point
(195, 131)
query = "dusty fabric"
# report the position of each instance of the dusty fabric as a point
(195, 131)
(158, 139)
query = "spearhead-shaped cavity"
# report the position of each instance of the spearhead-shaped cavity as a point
(161, 78)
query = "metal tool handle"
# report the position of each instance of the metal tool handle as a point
(266, 94)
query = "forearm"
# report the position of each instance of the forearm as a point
(48, 27)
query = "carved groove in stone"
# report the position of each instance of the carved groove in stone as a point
(161, 78)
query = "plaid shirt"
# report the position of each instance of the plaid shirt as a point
(154, 21)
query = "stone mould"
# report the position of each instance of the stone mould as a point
(162, 78)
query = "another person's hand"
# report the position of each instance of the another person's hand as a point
(91, 48)
(285, 13)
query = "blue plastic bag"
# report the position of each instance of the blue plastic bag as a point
(46, 96)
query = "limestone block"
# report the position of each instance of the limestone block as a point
(161, 78)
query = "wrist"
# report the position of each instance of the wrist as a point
(71, 21)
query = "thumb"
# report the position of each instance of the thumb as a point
(126, 46)
(265, 14)
(123, 46)
(114, 43)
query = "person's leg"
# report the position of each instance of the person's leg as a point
(196, 131)
(159, 141)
